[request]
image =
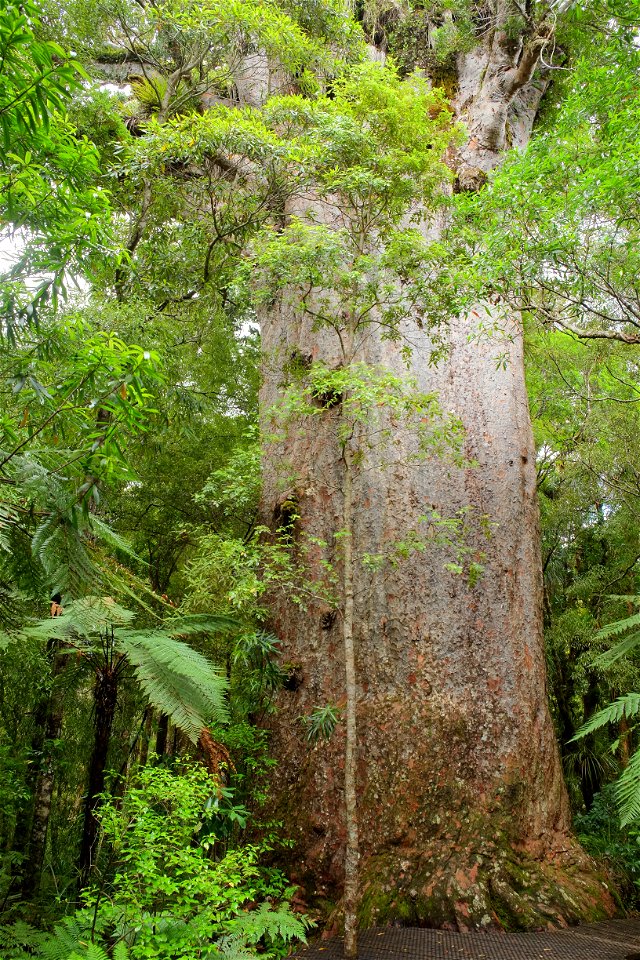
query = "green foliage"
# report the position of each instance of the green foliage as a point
(168, 897)
(601, 836)
(37, 75)
(75, 396)
(321, 722)
(554, 222)
(47, 175)
(164, 896)
(174, 677)
(627, 788)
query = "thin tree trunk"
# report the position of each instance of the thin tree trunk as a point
(145, 737)
(624, 732)
(352, 854)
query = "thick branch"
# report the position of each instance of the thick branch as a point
(631, 338)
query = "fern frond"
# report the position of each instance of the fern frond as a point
(11, 605)
(57, 544)
(177, 679)
(627, 706)
(618, 627)
(195, 623)
(232, 947)
(272, 924)
(627, 791)
(69, 938)
(620, 650)
(92, 951)
(84, 619)
(106, 533)
(18, 940)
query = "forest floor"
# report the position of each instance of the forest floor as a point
(612, 940)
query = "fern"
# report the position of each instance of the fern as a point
(627, 791)
(93, 951)
(69, 938)
(270, 924)
(618, 627)
(627, 706)
(177, 679)
(627, 788)
(19, 940)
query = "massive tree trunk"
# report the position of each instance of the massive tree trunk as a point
(463, 815)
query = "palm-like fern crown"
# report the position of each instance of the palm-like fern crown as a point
(176, 679)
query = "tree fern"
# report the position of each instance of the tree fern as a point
(176, 679)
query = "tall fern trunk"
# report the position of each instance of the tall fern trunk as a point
(50, 715)
(462, 811)
(161, 735)
(105, 701)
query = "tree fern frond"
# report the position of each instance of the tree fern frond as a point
(111, 538)
(620, 650)
(11, 606)
(84, 618)
(57, 544)
(627, 791)
(618, 627)
(200, 623)
(627, 706)
(177, 679)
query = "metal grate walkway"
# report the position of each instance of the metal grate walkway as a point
(612, 940)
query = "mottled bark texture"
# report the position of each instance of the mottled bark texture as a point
(463, 815)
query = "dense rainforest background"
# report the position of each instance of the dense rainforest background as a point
(301, 621)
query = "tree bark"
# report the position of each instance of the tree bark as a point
(105, 700)
(352, 850)
(50, 714)
(463, 814)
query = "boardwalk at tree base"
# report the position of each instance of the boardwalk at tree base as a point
(612, 940)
